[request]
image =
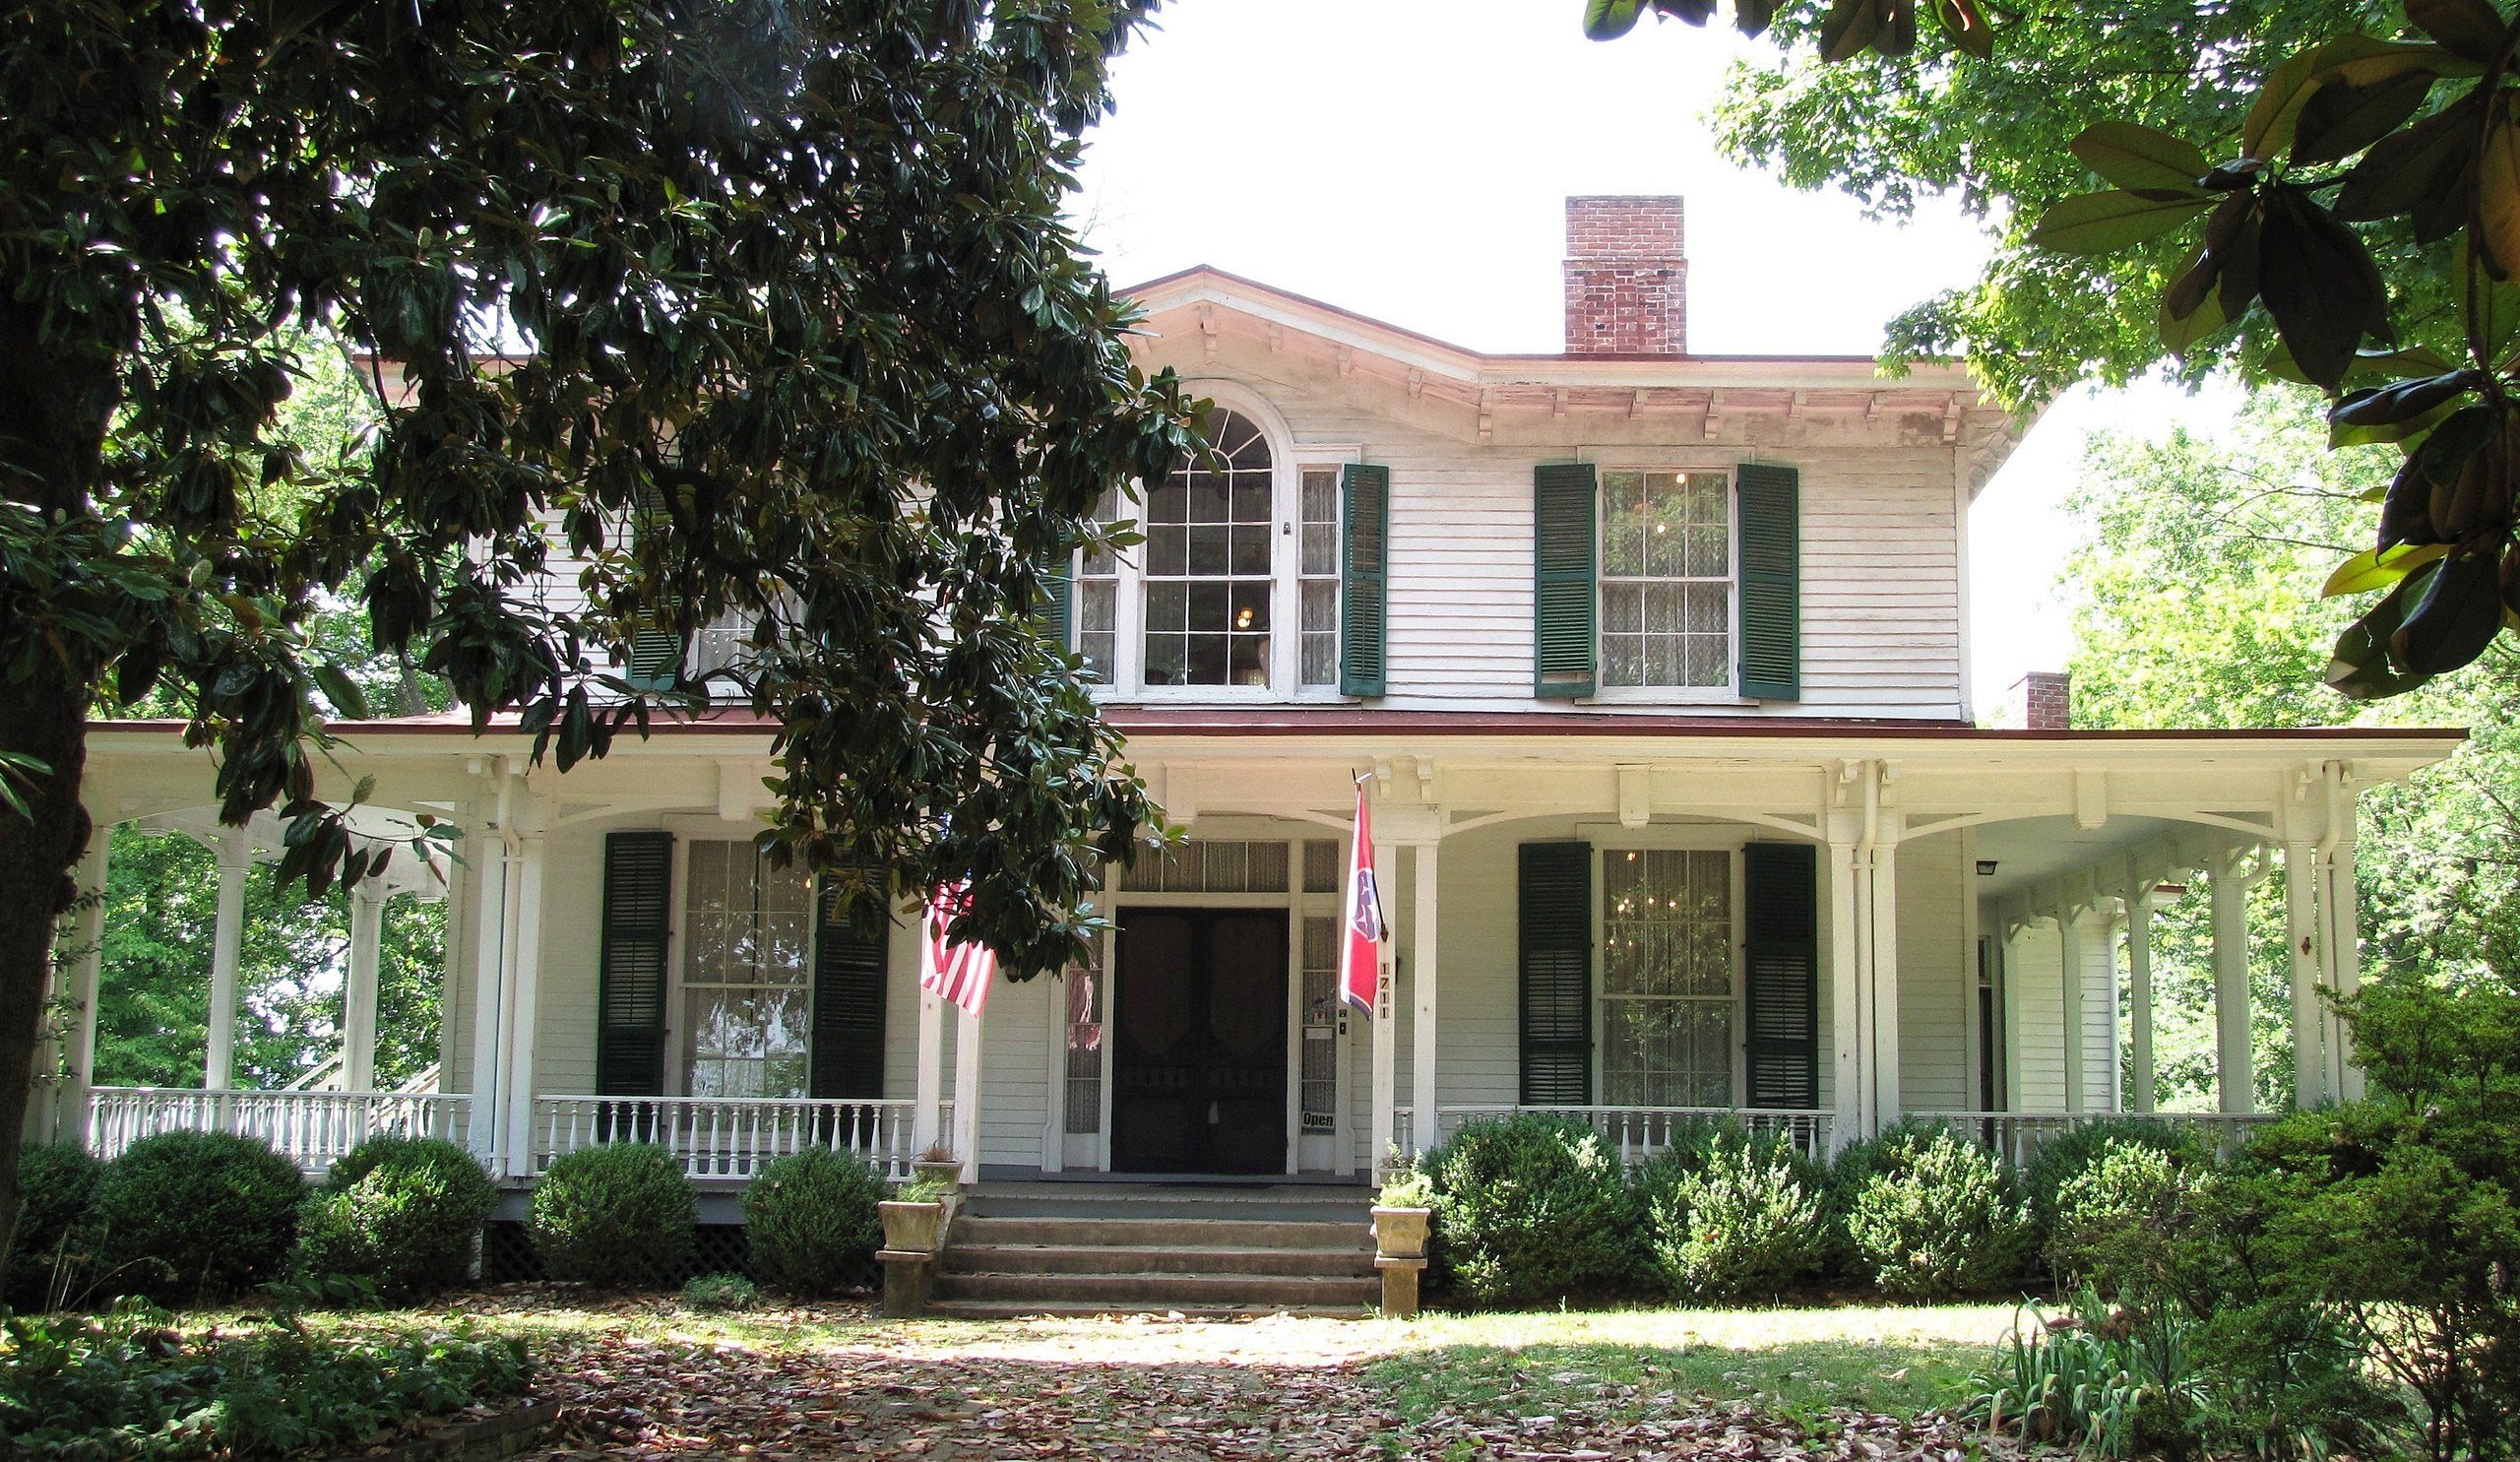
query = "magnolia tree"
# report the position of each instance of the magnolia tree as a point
(755, 305)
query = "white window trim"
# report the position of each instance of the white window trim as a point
(1731, 842)
(1726, 694)
(686, 830)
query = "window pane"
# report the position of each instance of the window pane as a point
(1208, 584)
(1168, 552)
(1666, 977)
(1251, 549)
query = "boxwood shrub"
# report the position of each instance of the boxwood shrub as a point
(615, 1216)
(1741, 1220)
(1530, 1208)
(2061, 1158)
(2114, 1217)
(195, 1216)
(810, 1219)
(1936, 1216)
(401, 1212)
(57, 1226)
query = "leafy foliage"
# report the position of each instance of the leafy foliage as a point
(57, 1229)
(131, 1385)
(810, 1217)
(1745, 1221)
(1529, 1208)
(718, 1292)
(2104, 1214)
(2063, 1158)
(194, 1216)
(2107, 1382)
(1938, 1216)
(615, 1216)
(404, 1213)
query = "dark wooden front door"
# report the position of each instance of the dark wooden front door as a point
(1199, 1042)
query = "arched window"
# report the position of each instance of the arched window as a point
(1207, 583)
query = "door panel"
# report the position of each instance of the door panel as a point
(1199, 1042)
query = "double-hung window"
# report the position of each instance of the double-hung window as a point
(1668, 997)
(746, 933)
(1666, 580)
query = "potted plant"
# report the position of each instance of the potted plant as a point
(939, 1162)
(1401, 1211)
(914, 1216)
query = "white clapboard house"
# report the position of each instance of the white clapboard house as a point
(1656, 667)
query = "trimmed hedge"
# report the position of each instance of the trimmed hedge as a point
(404, 1213)
(811, 1221)
(1530, 1208)
(58, 1230)
(1741, 1220)
(2061, 1158)
(195, 1216)
(1933, 1215)
(616, 1216)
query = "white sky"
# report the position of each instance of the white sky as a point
(1409, 161)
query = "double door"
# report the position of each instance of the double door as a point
(1199, 1042)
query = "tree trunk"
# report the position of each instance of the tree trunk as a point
(36, 887)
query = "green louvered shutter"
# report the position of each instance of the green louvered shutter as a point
(655, 660)
(630, 1029)
(1771, 510)
(1057, 610)
(1782, 973)
(850, 969)
(1365, 579)
(1563, 592)
(1556, 965)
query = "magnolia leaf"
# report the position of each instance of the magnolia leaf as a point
(1967, 27)
(2497, 212)
(2339, 121)
(2378, 568)
(340, 689)
(2352, 59)
(2401, 402)
(2457, 615)
(2488, 307)
(2135, 158)
(2415, 172)
(2319, 283)
(2473, 28)
(1850, 26)
(1753, 16)
(2359, 668)
(2203, 316)
(1609, 20)
(2104, 222)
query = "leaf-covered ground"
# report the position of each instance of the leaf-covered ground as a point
(645, 1379)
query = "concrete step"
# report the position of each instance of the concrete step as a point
(1011, 1310)
(1110, 1258)
(1354, 1235)
(1283, 1205)
(1159, 1290)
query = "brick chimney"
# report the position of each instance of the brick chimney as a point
(2043, 700)
(1626, 278)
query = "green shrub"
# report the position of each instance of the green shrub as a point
(1742, 1220)
(130, 1386)
(811, 1221)
(1855, 1165)
(1530, 1208)
(616, 1216)
(2062, 1157)
(404, 1213)
(2109, 1219)
(57, 1225)
(1938, 1217)
(2110, 1382)
(720, 1291)
(195, 1216)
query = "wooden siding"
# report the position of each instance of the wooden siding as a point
(1936, 975)
(2034, 980)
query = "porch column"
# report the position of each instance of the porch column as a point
(2232, 1059)
(1888, 1105)
(2069, 960)
(926, 1115)
(2344, 926)
(83, 980)
(1422, 1099)
(1846, 985)
(493, 878)
(227, 939)
(1386, 1010)
(358, 993)
(967, 1091)
(2302, 876)
(524, 984)
(2139, 992)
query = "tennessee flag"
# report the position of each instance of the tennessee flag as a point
(1360, 954)
(957, 972)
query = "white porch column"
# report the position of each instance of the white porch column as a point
(966, 1090)
(1386, 1037)
(358, 993)
(1422, 1098)
(2139, 993)
(84, 979)
(2302, 876)
(1847, 1037)
(2232, 1059)
(927, 1116)
(525, 984)
(226, 944)
(2069, 960)
(1888, 1104)
(492, 879)
(2343, 927)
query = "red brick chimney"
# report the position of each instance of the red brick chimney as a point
(1626, 278)
(2043, 700)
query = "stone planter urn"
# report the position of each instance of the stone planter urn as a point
(912, 1228)
(947, 1170)
(1401, 1232)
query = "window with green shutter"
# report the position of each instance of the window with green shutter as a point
(850, 971)
(638, 903)
(1057, 609)
(654, 656)
(1555, 959)
(1770, 515)
(1563, 589)
(1365, 579)
(1780, 976)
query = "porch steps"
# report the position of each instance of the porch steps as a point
(1098, 1248)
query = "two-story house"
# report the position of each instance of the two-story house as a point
(1656, 665)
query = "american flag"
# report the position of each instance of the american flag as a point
(953, 970)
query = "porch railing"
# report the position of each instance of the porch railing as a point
(730, 1137)
(310, 1129)
(1637, 1133)
(2017, 1136)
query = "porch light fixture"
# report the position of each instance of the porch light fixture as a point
(1985, 867)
